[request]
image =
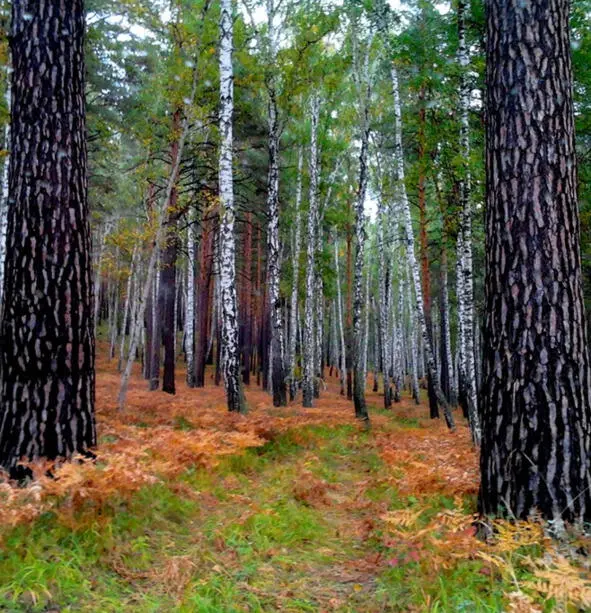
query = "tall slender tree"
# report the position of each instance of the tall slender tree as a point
(466, 285)
(313, 219)
(230, 358)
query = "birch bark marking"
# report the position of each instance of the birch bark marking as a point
(536, 385)
(295, 259)
(47, 333)
(190, 306)
(4, 196)
(412, 258)
(364, 87)
(128, 309)
(466, 296)
(342, 344)
(276, 359)
(229, 333)
(309, 336)
(384, 281)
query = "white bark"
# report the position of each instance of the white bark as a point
(4, 196)
(412, 258)
(343, 354)
(98, 269)
(466, 296)
(190, 306)
(384, 293)
(128, 309)
(313, 215)
(362, 77)
(230, 356)
(366, 322)
(295, 265)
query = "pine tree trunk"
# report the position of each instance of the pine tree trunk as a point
(167, 292)
(202, 301)
(537, 376)
(47, 334)
(156, 345)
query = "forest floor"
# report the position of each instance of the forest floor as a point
(190, 509)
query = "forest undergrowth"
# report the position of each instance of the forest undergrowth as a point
(190, 508)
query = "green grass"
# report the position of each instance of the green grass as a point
(245, 542)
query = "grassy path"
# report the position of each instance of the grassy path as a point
(296, 525)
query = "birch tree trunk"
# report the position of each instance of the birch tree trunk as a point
(4, 197)
(313, 214)
(318, 329)
(230, 357)
(295, 265)
(128, 309)
(98, 265)
(190, 306)
(412, 258)
(364, 86)
(466, 296)
(384, 280)
(343, 346)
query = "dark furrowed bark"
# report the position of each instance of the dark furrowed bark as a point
(47, 356)
(536, 379)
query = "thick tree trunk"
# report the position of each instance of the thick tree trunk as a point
(47, 335)
(537, 376)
